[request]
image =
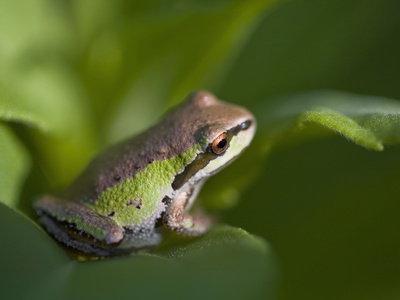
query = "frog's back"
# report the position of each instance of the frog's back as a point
(121, 162)
(114, 165)
(173, 136)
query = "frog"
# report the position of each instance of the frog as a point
(133, 192)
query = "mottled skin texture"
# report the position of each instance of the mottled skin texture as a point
(175, 142)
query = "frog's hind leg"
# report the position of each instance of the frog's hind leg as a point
(77, 226)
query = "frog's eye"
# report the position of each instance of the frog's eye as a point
(220, 144)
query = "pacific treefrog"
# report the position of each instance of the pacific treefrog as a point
(128, 193)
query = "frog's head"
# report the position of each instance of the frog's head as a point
(220, 130)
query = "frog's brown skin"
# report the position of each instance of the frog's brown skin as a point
(201, 117)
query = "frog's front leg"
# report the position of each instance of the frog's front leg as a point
(178, 219)
(77, 226)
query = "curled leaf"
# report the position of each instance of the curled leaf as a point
(365, 120)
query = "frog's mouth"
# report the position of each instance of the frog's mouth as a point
(208, 163)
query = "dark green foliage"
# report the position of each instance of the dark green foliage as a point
(77, 76)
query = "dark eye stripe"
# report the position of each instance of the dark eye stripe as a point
(199, 162)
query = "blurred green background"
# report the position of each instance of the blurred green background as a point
(321, 211)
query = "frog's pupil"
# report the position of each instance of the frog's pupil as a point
(222, 143)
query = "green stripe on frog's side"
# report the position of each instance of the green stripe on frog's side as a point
(141, 189)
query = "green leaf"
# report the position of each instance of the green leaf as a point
(15, 108)
(29, 259)
(226, 263)
(14, 165)
(218, 237)
(329, 208)
(34, 82)
(42, 33)
(43, 96)
(183, 47)
(366, 120)
(39, 88)
(46, 96)
(216, 267)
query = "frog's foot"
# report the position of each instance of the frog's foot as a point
(177, 219)
(77, 226)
